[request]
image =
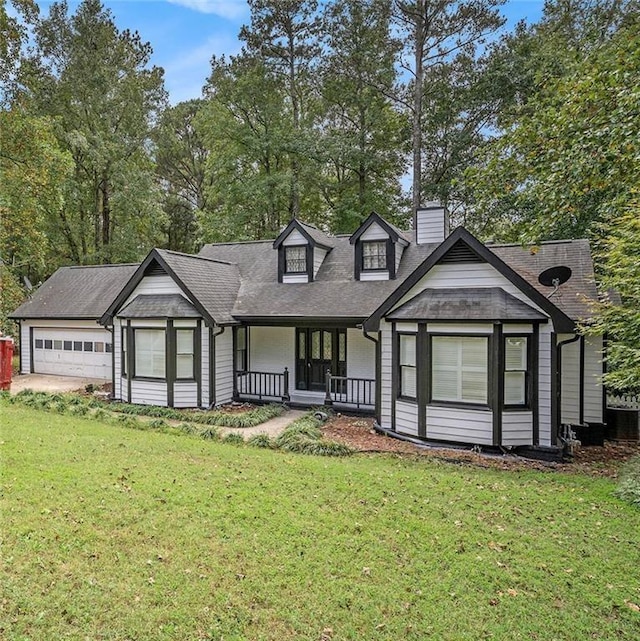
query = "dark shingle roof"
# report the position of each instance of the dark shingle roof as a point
(77, 292)
(213, 283)
(334, 293)
(466, 303)
(159, 306)
(573, 296)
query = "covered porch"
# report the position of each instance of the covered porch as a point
(306, 366)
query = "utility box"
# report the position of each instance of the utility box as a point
(6, 362)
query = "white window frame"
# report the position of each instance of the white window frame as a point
(371, 252)
(298, 260)
(456, 393)
(407, 368)
(522, 370)
(155, 352)
(185, 353)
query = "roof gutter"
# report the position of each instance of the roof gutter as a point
(558, 375)
(378, 359)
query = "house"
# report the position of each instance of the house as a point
(442, 337)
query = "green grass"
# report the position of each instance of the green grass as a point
(119, 534)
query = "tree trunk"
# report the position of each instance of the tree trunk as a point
(106, 222)
(294, 208)
(417, 108)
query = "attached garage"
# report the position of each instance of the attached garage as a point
(59, 330)
(78, 352)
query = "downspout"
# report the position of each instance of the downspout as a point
(376, 342)
(212, 364)
(558, 374)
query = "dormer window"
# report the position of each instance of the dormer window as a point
(301, 251)
(295, 260)
(374, 255)
(378, 248)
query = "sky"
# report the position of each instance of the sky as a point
(185, 34)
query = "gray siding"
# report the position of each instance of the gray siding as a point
(431, 226)
(149, 392)
(25, 347)
(544, 385)
(224, 367)
(185, 394)
(593, 390)
(459, 425)
(361, 355)
(407, 418)
(517, 428)
(570, 377)
(385, 374)
(205, 365)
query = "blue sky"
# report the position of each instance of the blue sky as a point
(185, 34)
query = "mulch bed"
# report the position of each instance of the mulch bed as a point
(358, 433)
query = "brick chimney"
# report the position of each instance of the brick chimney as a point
(431, 223)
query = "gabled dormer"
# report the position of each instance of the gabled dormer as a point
(301, 250)
(378, 248)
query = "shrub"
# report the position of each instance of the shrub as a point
(158, 424)
(305, 437)
(260, 440)
(233, 438)
(629, 482)
(210, 433)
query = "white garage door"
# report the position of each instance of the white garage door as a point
(72, 352)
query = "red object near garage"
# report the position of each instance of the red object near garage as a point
(6, 360)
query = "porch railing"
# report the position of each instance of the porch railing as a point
(346, 390)
(263, 385)
(624, 401)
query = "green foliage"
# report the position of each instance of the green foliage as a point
(209, 433)
(96, 82)
(260, 440)
(618, 315)
(167, 538)
(233, 438)
(629, 482)
(305, 437)
(11, 296)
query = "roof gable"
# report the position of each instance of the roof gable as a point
(314, 236)
(394, 233)
(473, 248)
(210, 285)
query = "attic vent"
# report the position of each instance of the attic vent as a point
(460, 253)
(154, 269)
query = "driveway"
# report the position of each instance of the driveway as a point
(50, 383)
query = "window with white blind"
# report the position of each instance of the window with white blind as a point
(459, 369)
(149, 353)
(295, 259)
(374, 254)
(407, 365)
(184, 353)
(515, 370)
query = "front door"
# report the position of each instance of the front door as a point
(319, 351)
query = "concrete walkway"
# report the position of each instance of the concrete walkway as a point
(50, 383)
(273, 427)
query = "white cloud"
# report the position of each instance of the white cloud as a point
(231, 9)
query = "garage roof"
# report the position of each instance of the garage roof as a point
(77, 292)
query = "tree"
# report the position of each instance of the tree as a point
(180, 167)
(570, 162)
(96, 82)
(248, 169)
(283, 33)
(435, 33)
(362, 133)
(618, 317)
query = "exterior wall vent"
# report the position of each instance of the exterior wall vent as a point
(461, 253)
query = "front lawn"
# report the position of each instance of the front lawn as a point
(112, 533)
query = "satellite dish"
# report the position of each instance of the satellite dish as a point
(27, 283)
(555, 276)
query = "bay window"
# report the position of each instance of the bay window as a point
(149, 357)
(515, 370)
(185, 354)
(459, 369)
(407, 366)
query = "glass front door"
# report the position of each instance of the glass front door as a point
(319, 350)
